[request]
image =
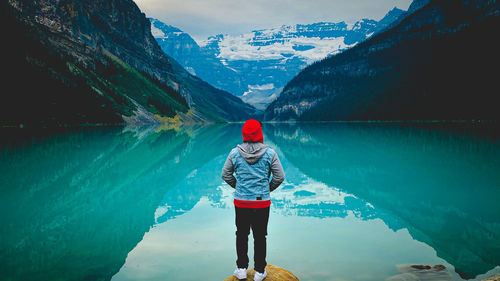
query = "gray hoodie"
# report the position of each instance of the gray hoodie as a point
(252, 152)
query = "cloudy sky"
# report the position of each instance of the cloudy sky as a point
(202, 18)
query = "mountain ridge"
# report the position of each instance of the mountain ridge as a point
(94, 50)
(413, 71)
(256, 65)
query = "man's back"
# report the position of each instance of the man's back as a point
(253, 163)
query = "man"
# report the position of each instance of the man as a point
(253, 163)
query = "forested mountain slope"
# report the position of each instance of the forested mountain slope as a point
(85, 62)
(437, 63)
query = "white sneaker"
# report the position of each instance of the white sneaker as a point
(259, 276)
(240, 273)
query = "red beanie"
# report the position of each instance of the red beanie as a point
(252, 131)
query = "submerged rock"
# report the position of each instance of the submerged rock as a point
(421, 272)
(426, 266)
(421, 266)
(274, 273)
(439, 267)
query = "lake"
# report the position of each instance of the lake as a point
(361, 201)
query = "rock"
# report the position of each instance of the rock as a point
(274, 273)
(421, 272)
(439, 267)
(426, 266)
(421, 266)
(495, 277)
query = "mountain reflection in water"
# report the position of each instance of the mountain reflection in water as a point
(443, 184)
(81, 205)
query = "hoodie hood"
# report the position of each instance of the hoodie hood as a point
(252, 151)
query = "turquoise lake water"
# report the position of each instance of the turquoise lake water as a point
(360, 202)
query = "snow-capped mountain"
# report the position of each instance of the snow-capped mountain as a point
(307, 42)
(257, 65)
(182, 47)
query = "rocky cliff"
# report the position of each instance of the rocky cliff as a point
(81, 61)
(435, 64)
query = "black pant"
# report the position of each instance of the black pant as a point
(256, 219)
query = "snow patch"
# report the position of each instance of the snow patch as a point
(201, 43)
(268, 86)
(190, 70)
(249, 47)
(350, 25)
(157, 33)
(160, 211)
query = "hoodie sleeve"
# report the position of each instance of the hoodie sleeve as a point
(277, 171)
(227, 172)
